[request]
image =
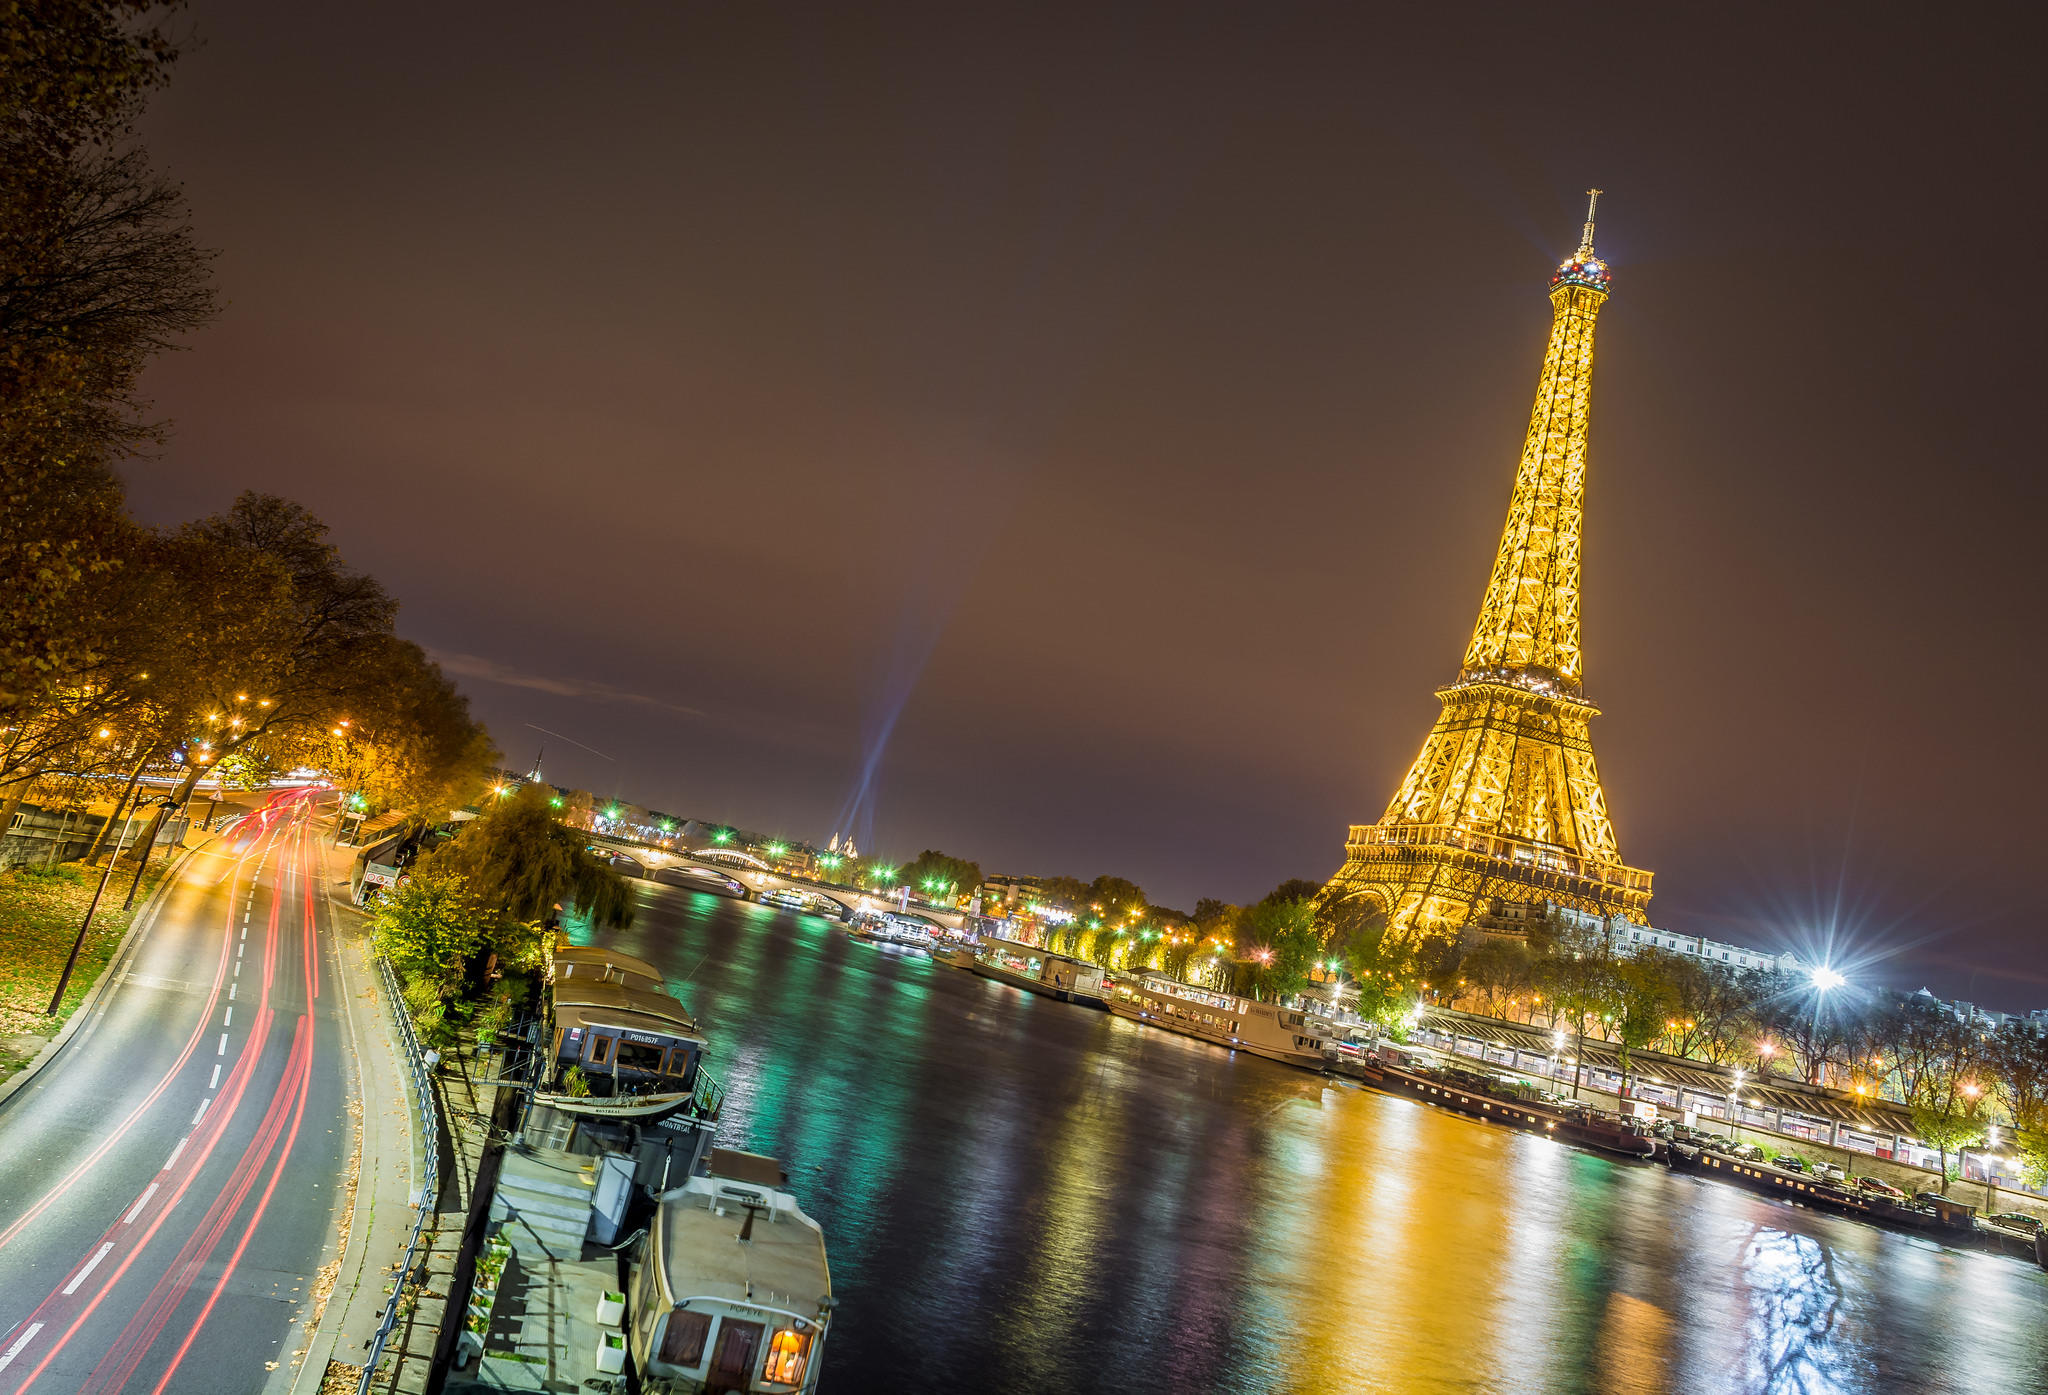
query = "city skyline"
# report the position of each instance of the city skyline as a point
(1135, 462)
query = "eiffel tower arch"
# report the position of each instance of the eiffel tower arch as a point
(1504, 803)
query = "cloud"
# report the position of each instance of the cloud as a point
(491, 671)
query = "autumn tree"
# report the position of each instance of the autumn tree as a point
(99, 272)
(2017, 1061)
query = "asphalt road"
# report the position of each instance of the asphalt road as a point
(169, 1182)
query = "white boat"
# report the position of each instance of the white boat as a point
(1240, 1024)
(1038, 970)
(732, 1291)
(887, 929)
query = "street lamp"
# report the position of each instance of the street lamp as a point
(1825, 978)
(1735, 1107)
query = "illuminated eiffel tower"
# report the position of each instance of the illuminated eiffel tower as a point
(1504, 804)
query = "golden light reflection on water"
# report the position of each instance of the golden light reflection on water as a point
(1028, 1198)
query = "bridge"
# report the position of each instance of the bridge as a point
(743, 875)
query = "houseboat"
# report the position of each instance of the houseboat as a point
(732, 1291)
(1240, 1024)
(1502, 1102)
(620, 1047)
(1038, 970)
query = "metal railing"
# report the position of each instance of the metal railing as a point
(430, 1131)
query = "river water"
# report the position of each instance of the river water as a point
(1022, 1196)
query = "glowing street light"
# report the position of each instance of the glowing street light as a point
(1825, 978)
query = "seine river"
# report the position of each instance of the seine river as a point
(1021, 1196)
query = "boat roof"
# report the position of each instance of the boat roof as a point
(595, 1002)
(594, 955)
(1040, 950)
(782, 1265)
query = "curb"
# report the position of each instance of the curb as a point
(144, 919)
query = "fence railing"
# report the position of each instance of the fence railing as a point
(430, 1132)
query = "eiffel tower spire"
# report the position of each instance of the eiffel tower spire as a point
(1504, 804)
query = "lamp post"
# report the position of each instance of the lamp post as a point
(78, 941)
(1735, 1108)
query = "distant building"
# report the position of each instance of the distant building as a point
(1513, 920)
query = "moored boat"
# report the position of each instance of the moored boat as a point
(1238, 1024)
(1501, 1102)
(732, 1291)
(1037, 970)
(621, 1048)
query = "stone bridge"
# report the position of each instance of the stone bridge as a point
(748, 877)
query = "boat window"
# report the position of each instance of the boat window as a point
(600, 1050)
(786, 1352)
(683, 1343)
(634, 1056)
(737, 1342)
(679, 1060)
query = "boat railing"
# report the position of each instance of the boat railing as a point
(430, 1134)
(709, 1098)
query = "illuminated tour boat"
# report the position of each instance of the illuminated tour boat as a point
(1239, 1024)
(1037, 970)
(732, 1291)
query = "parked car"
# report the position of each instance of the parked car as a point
(1828, 1172)
(2017, 1220)
(1886, 1189)
(1791, 1162)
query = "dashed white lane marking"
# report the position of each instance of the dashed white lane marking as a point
(171, 1161)
(231, 992)
(202, 1111)
(222, 1049)
(229, 1020)
(140, 1202)
(19, 1342)
(238, 968)
(245, 932)
(90, 1265)
(214, 1083)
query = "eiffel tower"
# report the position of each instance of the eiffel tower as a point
(1504, 804)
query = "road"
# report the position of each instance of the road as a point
(169, 1182)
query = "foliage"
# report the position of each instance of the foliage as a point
(519, 860)
(1640, 1001)
(430, 926)
(1282, 943)
(98, 273)
(956, 875)
(1113, 898)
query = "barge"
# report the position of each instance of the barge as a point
(1496, 1101)
(1038, 970)
(1223, 1019)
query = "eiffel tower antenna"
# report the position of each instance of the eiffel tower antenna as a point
(1504, 805)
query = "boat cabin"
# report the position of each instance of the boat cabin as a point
(1062, 972)
(732, 1291)
(628, 1041)
(583, 964)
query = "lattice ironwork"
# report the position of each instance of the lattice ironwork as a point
(1504, 802)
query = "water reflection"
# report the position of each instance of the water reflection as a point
(1025, 1196)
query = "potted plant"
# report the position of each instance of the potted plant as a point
(611, 1353)
(611, 1307)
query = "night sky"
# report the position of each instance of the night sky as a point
(1120, 409)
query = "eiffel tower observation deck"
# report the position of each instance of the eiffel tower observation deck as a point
(1504, 803)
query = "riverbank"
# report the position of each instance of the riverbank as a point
(40, 913)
